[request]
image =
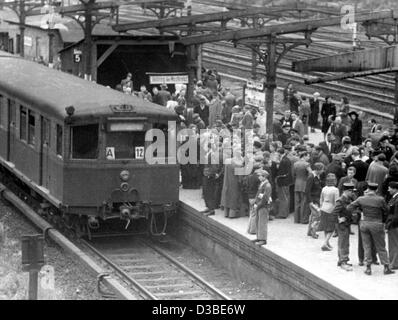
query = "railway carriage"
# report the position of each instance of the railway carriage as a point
(80, 148)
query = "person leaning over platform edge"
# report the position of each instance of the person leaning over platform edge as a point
(344, 219)
(374, 209)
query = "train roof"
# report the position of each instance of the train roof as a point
(51, 91)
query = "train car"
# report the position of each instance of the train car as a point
(79, 148)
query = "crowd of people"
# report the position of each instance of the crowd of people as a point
(350, 178)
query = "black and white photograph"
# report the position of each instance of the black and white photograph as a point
(195, 151)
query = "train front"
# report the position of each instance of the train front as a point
(120, 176)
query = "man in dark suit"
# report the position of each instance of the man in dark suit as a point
(287, 119)
(372, 124)
(313, 190)
(295, 102)
(297, 124)
(330, 146)
(335, 167)
(339, 130)
(285, 135)
(301, 172)
(164, 95)
(345, 219)
(283, 181)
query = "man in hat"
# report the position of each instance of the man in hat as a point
(295, 102)
(314, 114)
(127, 82)
(203, 110)
(297, 124)
(285, 135)
(374, 211)
(386, 147)
(330, 146)
(321, 156)
(349, 178)
(248, 119)
(377, 172)
(164, 95)
(301, 172)
(283, 180)
(212, 178)
(215, 109)
(335, 167)
(262, 205)
(392, 224)
(344, 218)
(287, 119)
(313, 190)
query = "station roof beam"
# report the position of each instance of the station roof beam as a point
(284, 28)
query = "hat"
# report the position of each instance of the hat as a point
(286, 125)
(348, 186)
(163, 85)
(287, 147)
(372, 185)
(353, 112)
(383, 138)
(235, 109)
(179, 109)
(346, 139)
(316, 94)
(258, 157)
(337, 157)
(393, 184)
(262, 172)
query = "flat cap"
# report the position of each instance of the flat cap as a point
(372, 185)
(393, 184)
(348, 186)
(262, 172)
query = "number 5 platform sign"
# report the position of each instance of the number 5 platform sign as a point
(77, 56)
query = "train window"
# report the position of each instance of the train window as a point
(125, 145)
(1, 109)
(11, 106)
(31, 127)
(85, 142)
(59, 140)
(46, 127)
(22, 123)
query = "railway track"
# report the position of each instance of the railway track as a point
(136, 269)
(152, 272)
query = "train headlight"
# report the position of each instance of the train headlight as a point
(124, 187)
(125, 175)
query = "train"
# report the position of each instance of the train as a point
(78, 150)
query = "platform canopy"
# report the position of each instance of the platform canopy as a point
(371, 59)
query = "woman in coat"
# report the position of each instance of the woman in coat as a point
(231, 198)
(328, 112)
(329, 195)
(355, 131)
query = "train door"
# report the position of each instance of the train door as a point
(44, 151)
(11, 123)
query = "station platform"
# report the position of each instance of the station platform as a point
(289, 241)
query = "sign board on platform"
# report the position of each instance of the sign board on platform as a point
(255, 93)
(77, 55)
(168, 78)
